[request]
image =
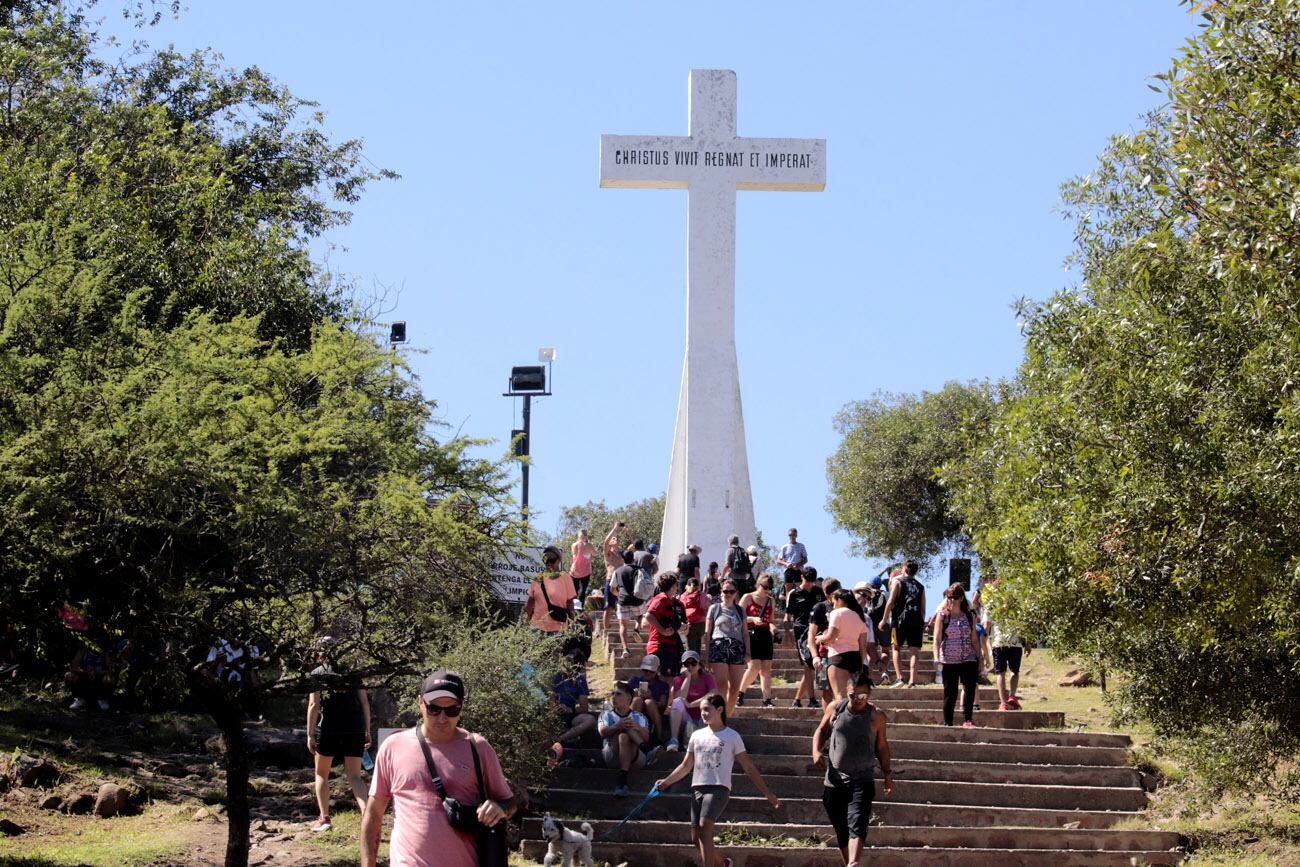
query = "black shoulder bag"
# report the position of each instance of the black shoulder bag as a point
(556, 612)
(490, 842)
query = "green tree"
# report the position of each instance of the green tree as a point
(200, 438)
(644, 519)
(1147, 473)
(885, 487)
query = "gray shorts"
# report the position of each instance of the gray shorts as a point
(708, 802)
(609, 752)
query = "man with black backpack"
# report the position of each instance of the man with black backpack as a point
(739, 568)
(634, 584)
(905, 610)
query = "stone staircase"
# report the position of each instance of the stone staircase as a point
(1016, 790)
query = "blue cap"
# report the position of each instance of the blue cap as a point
(653, 548)
(877, 581)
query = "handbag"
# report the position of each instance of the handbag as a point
(490, 842)
(556, 612)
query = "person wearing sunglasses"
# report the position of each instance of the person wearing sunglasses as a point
(467, 768)
(727, 649)
(689, 690)
(849, 741)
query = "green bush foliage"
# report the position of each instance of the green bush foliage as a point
(1145, 479)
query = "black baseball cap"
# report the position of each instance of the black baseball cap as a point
(443, 684)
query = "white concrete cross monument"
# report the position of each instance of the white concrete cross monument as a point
(708, 484)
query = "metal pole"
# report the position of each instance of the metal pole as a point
(528, 449)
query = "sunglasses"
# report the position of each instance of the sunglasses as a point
(691, 662)
(451, 712)
(861, 696)
(728, 592)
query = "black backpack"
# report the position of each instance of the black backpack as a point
(738, 560)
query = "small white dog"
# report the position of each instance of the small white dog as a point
(567, 847)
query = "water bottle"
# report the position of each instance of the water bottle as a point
(938, 673)
(367, 763)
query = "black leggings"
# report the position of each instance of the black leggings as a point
(963, 674)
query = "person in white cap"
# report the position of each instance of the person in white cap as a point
(413, 768)
(650, 693)
(689, 689)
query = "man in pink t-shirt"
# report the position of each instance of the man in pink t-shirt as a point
(559, 594)
(422, 836)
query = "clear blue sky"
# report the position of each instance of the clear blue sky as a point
(950, 128)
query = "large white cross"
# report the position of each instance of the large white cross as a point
(709, 496)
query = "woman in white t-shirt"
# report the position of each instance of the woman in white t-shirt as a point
(709, 757)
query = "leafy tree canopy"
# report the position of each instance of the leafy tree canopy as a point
(1146, 479)
(884, 484)
(644, 519)
(200, 437)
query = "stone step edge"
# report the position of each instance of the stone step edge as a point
(1168, 839)
(911, 766)
(1039, 788)
(1040, 736)
(634, 798)
(742, 853)
(594, 752)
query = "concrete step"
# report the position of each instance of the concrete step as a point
(741, 808)
(783, 721)
(928, 694)
(779, 767)
(790, 745)
(660, 855)
(1065, 792)
(679, 833)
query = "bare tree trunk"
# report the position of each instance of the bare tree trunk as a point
(231, 722)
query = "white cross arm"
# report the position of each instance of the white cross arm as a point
(677, 162)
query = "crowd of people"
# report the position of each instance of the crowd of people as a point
(706, 634)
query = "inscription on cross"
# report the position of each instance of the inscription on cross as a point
(708, 483)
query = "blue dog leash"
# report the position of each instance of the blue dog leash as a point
(654, 793)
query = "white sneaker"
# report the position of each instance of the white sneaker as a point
(77, 704)
(103, 704)
(673, 746)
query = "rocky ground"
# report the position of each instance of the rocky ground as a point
(114, 788)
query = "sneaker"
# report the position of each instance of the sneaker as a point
(896, 684)
(983, 680)
(623, 654)
(726, 862)
(796, 703)
(103, 704)
(740, 699)
(321, 825)
(673, 746)
(1013, 703)
(621, 792)
(911, 686)
(77, 704)
(812, 702)
(767, 702)
(1004, 706)
(652, 755)
(968, 725)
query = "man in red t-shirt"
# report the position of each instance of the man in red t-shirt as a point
(666, 617)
